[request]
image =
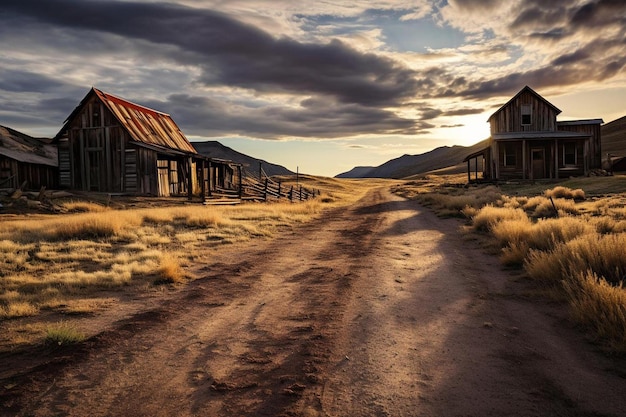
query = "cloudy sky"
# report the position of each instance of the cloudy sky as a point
(321, 86)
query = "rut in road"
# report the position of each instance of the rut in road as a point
(245, 339)
(379, 309)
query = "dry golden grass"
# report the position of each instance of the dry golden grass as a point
(601, 254)
(599, 306)
(65, 263)
(83, 207)
(565, 192)
(580, 246)
(170, 270)
(489, 216)
(63, 333)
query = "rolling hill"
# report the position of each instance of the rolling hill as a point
(407, 165)
(215, 149)
(613, 142)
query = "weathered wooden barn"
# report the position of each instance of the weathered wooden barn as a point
(109, 144)
(27, 161)
(527, 142)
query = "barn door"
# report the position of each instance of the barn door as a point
(95, 171)
(163, 167)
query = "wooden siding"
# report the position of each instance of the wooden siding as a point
(595, 143)
(509, 117)
(14, 174)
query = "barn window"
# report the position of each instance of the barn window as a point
(509, 155)
(526, 115)
(569, 153)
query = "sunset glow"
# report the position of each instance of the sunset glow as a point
(316, 86)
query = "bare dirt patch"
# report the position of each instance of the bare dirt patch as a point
(378, 309)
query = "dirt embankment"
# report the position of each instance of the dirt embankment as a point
(380, 309)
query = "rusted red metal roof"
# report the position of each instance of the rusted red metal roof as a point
(146, 125)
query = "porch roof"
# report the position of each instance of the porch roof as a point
(539, 135)
(476, 154)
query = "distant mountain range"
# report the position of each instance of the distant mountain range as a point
(408, 165)
(214, 149)
(451, 157)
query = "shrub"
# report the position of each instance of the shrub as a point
(489, 215)
(546, 208)
(63, 334)
(565, 192)
(601, 254)
(599, 306)
(18, 309)
(170, 270)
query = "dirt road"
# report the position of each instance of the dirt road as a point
(380, 309)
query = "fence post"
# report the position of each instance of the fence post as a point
(265, 191)
(300, 193)
(291, 194)
(279, 190)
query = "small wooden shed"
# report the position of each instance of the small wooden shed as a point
(25, 160)
(109, 144)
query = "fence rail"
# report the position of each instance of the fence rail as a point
(263, 188)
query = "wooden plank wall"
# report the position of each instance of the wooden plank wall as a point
(509, 118)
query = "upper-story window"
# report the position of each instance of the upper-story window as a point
(526, 115)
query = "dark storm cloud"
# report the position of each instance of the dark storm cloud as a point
(475, 5)
(319, 117)
(558, 19)
(23, 81)
(599, 57)
(229, 51)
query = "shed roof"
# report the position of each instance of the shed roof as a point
(533, 92)
(580, 122)
(24, 148)
(145, 126)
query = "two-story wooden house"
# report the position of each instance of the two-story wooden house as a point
(527, 142)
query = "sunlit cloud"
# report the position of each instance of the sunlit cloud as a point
(281, 70)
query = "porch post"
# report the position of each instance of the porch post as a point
(202, 184)
(524, 167)
(476, 168)
(556, 158)
(469, 171)
(190, 178)
(586, 158)
(240, 181)
(210, 179)
(497, 159)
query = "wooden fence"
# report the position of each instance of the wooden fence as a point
(263, 188)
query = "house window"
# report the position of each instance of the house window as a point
(526, 115)
(569, 154)
(509, 155)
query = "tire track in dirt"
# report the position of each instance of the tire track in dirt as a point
(246, 339)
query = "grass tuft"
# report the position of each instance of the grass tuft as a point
(599, 306)
(63, 334)
(565, 192)
(170, 271)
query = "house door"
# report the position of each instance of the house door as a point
(538, 156)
